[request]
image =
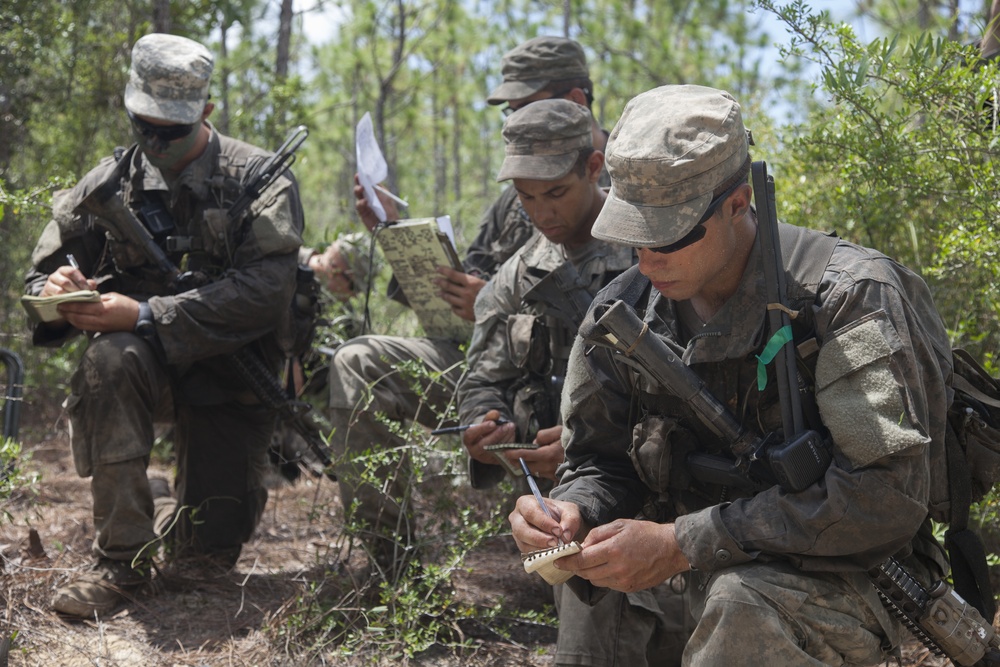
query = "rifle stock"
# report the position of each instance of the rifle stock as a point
(111, 214)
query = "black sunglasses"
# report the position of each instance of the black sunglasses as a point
(164, 133)
(698, 233)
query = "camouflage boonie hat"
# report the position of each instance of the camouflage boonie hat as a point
(169, 78)
(669, 151)
(544, 140)
(532, 65)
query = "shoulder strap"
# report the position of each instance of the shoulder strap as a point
(636, 288)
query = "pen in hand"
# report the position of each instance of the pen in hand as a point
(76, 265)
(464, 427)
(537, 493)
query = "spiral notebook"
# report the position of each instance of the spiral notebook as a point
(541, 562)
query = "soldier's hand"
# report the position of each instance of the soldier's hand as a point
(533, 529)
(115, 312)
(628, 555)
(544, 460)
(364, 209)
(66, 279)
(487, 432)
(459, 289)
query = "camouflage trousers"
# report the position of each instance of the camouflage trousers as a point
(118, 392)
(642, 629)
(370, 398)
(774, 614)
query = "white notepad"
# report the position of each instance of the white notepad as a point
(541, 562)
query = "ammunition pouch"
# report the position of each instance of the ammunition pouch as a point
(659, 443)
(305, 311)
(532, 397)
(534, 408)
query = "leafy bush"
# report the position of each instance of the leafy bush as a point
(901, 160)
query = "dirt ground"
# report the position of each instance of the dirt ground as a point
(245, 617)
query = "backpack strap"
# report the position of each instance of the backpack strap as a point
(966, 551)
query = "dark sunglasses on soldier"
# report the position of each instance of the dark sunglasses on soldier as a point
(698, 233)
(164, 133)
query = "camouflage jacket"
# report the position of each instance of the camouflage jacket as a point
(524, 332)
(880, 388)
(250, 264)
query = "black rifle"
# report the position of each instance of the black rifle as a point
(112, 215)
(939, 618)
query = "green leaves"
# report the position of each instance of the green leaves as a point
(902, 159)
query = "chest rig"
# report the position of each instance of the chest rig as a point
(190, 222)
(678, 457)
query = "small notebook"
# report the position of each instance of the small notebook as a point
(541, 562)
(44, 308)
(498, 450)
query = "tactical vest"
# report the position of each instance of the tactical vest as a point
(666, 430)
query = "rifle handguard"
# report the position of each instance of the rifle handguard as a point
(618, 325)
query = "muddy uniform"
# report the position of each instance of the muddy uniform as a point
(781, 575)
(365, 381)
(178, 372)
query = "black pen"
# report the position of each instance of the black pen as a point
(464, 427)
(536, 492)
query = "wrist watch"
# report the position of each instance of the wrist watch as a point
(144, 325)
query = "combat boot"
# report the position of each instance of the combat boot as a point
(107, 584)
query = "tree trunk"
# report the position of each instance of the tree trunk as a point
(989, 46)
(161, 16)
(284, 40)
(222, 120)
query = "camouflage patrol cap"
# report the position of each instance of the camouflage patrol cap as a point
(669, 151)
(169, 78)
(544, 140)
(532, 65)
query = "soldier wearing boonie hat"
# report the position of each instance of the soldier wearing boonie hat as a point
(768, 565)
(154, 338)
(526, 321)
(169, 78)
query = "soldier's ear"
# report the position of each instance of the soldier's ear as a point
(738, 203)
(595, 163)
(207, 111)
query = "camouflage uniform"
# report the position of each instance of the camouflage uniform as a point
(126, 381)
(780, 574)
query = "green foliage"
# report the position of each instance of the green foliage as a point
(16, 480)
(902, 161)
(398, 614)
